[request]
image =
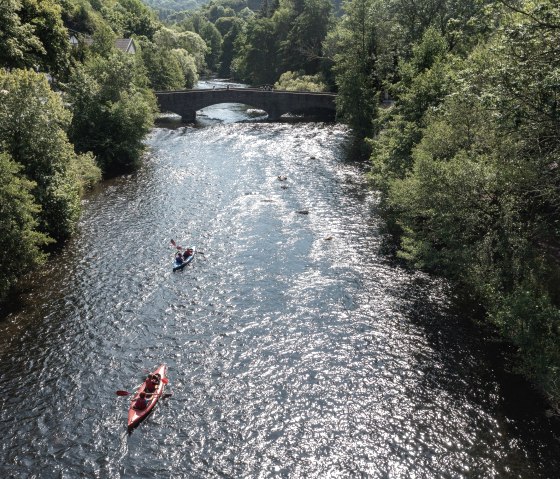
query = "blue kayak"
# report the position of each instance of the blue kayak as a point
(177, 265)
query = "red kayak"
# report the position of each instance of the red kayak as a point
(136, 416)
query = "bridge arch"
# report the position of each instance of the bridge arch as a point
(275, 103)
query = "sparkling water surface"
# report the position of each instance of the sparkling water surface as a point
(295, 349)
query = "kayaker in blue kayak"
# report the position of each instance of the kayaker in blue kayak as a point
(179, 258)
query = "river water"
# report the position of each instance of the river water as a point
(295, 349)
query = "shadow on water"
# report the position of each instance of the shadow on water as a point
(468, 351)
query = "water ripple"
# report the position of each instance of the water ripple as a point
(294, 348)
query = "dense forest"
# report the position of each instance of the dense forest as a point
(465, 149)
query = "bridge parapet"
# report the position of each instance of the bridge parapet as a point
(276, 102)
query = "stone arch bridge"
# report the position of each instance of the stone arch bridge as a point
(274, 102)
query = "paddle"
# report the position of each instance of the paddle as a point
(120, 392)
(163, 380)
(126, 393)
(174, 244)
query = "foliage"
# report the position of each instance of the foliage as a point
(20, 242)
(213, 39)
(529, 320)
(197, 24)
(81, 17)
(131, 17)
(166, 8)
(32, 35)
(42, 176)
(33, 124)
(189, 41)
(17, 39)
(353, 46)
(256, 59)
(285, 36)
(163, 69)
(294, 81)
(461, 22)
(301, 46)
(188, 67)
(229, 37)
(45, 17)
(424, 82)
(478, 199)
(112, 111)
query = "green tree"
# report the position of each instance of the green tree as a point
(188, 67)
(479, 200)
(163, 69)
(20, 242)
(32, 35)
(425, 80)
(33, 124)
(213, 39)
(103, 41)
(197, 24)
(297, 82)
(301, 49)
(112, 111)
(235, 26)
(256, 60)
(225, 24)
(132, 17)
(16, 38)
(461, 22)
(192, 42)
(45, 17)
(354, 45)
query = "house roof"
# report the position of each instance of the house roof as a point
(76, 38)
(125, 44)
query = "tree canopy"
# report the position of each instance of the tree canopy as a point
(468, 160)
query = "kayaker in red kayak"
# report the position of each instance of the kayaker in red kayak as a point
(158, 379)
(151, 383)
(141, 402)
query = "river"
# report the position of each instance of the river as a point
(295, 349)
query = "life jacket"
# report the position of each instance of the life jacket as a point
(150, 386)
(141, 403)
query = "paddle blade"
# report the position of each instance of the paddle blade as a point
(167, 395)
(123, 393)
(173, 242)
(165, 380)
